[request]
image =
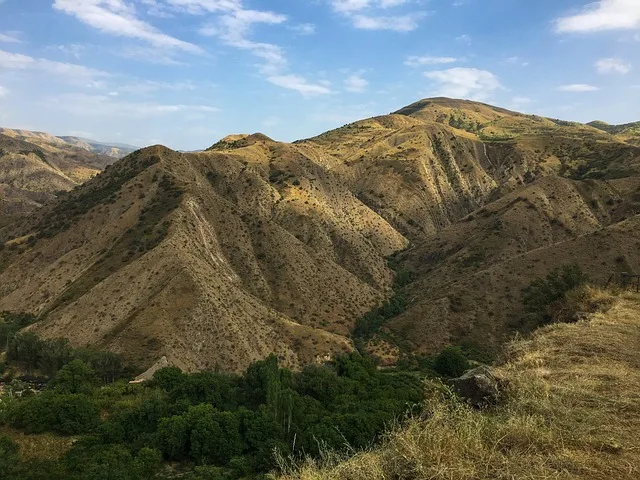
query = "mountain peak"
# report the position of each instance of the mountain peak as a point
(240, 140)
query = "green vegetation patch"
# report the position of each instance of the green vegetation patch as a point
(206, 425)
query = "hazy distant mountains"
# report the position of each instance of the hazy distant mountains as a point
(114, 150)
(35, 167)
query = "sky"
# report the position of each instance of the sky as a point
(185, 73)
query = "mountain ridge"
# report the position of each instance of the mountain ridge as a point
(256, 246)
(52, 142)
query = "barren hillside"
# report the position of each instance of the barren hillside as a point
(31, 175)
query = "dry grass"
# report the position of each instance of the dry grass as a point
(45, 446)
(571, 411)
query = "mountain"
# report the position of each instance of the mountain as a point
(31, 175)
(115, 150)
(253, 246)
(629, 132)
(53, 143)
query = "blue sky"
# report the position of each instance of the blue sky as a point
(187, 72)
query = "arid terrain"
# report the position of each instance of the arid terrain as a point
(216, 259)
(35, 167)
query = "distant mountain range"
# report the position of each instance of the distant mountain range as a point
(35, 167)
(114, 150)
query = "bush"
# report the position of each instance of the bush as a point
(543, 295)
(451, 362)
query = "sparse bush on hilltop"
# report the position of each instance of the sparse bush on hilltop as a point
(566, 413)
(544, 296)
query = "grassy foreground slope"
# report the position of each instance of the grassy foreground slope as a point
(572, 412)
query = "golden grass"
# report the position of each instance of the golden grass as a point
(571, 411)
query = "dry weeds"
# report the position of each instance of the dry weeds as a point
(572, 411)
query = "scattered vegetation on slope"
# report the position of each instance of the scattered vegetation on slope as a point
(566, 414)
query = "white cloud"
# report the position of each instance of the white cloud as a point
(119, 18)
(602, 15)
(403, 23)
(464, 38)
(355, 83)
(369, 14)
(299, 84)
(612, 65)
(470, 83)
(417, 61)
(578, 87)
(233, 27)
(3, 91)
(9, 37)
(72, 72)
(200, 7)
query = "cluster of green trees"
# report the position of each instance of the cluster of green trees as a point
(32, 353)
(213, 425)
(371, 322)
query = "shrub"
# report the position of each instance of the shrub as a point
(451, 362)
(541, 297)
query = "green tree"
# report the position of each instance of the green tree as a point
(54, 355)
(147, 463)
(75, 377)
(173, 437)
(27, 349)
(109, 366)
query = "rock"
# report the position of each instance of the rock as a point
(148, 375)
(479, 387)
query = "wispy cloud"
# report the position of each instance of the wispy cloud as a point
(299, 84)
(470, 83)
(75, 49)
(10, 37)
(3, 91)
(612, 65)
(233, 28)
(371, 14)
(116, 17)
(602, 15)
(417, 61)
(72, 72)
(578, 87)
(355, 83)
